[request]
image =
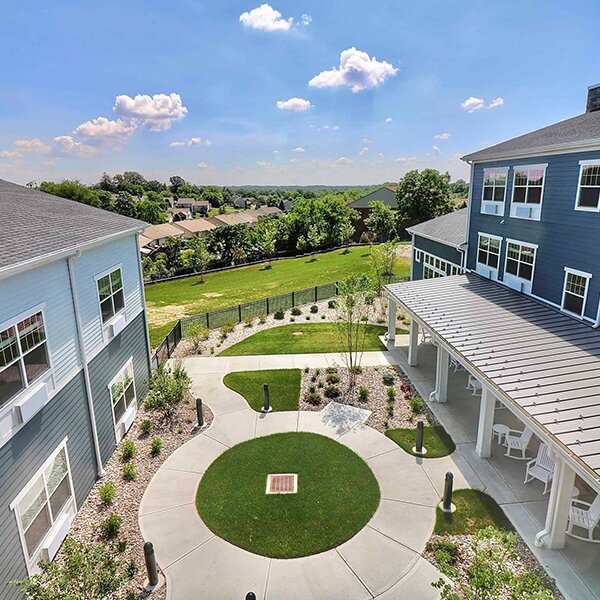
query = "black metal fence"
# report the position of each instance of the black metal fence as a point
(233, 315)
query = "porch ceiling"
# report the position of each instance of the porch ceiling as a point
(544, 362)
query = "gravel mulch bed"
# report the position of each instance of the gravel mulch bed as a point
(129, 493)
(372, 378)
(241, 331)
(523, 561)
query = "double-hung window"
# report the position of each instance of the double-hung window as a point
(588, 191)
(23, 355)
(575, 291)
(528, 192)
(494, 191)
(488, 251)
(110, 294)
(123, 397)
(520, 260)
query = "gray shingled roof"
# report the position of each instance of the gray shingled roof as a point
(581, 130)
(543, 364)
(34, 224)
(450, 229)
(384, 194)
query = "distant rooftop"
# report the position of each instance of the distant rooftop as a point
(385, 194)
(450, 229)
(35, 225)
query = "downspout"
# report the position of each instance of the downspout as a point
(597, 321)
(86, 373)
(143, 291)
(540, 535)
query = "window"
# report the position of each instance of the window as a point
(520, 259)
(43, 501)
(110, 294)
(575, 291)
(528, 190)
(494, 191)
(23, 355)
(418, 255)
(488, 251)
(588, 193)
(437, 267)
(122, 392)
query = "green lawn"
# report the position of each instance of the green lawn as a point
(168, 302)
(474, 510)
(337, 495)
(435, 439)
(316, 337)
(284, 387)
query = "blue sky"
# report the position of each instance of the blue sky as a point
(192, 87)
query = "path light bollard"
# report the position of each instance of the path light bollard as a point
(250, 596)
(150, 564)
(447, 505)
(266, 401)
(199, 412)
(418, 447)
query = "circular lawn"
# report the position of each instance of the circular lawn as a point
(336, 496)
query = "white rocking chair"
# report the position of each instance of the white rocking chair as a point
(519, 441)
(456, 365)
(584, 518)
(541, 468)
(475, 385)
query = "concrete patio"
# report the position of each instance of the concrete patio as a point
(576, 567)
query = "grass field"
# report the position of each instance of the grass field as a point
(284, 387)
(167, 302)
(316, 337)
(337, 495)
(436, 440)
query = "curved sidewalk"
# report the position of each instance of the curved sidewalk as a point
(382, 561)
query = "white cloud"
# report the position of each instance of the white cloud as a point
(264, 164)
(208, 142)
(436, 149)
(102, 128)
(194, 141)
(299, 149)
(176, 144)
(472, 104)
(357, 70)
(266, 18)
(33, 145)
(295, 104)
(202, 165)
(405, 159)
(9, 154)
(156, 112)
(389, 120)
(306, 19)
(65, 145)
(442, 136)
(335, 127)
(363, 150)
(344, 160)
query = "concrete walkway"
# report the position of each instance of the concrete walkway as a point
(382, 561)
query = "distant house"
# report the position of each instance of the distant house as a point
(385, 194)
(154, 236)
(184, 203)
(264, 211)
(195, 227)
(200, 207)
(179, 214)
(238, 202)
(286, 205)
(237, 218)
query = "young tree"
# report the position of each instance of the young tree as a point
(353, 306)
(423, 196)
(344, 234)
(196, 256)
(381, 221)
(267, 242)
(314, 240)
(383, 262)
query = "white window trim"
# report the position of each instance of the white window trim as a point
(418, 255)
(502, 202)
(587, 277)
(14, 505)
(123, 311)
(48, 376)
(585, 163)
(116, 424)
(481, 234)
(449, 264)
(521, 243)
(512, 197)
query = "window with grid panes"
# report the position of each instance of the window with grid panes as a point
(110, 294)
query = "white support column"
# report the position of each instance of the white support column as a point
(440, 394)
(558, 505)
(486, 420)
(413, 344)
(392, 310)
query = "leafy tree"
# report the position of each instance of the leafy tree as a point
(314, 239)
(149, 211)
(196, 256)
(175, 183)
(172, 248)
(459, 188)
(73, 190)
(89, 571)
(106, 200)
(214, 195)
(383, 260)
(124, 204)
(224, 240)
(423, 196)
(106, 183)
(167, 389)
(268, 241)
(381, 221)
(344, 234)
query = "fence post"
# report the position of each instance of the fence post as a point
(315, 294)
(207, 320)
(168, 347)
(239, 313)
(293, 300)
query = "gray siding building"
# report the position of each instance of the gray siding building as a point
(74, 363)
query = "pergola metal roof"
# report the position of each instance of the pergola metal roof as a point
(544, 362)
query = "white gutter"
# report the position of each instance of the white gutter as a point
(143, 290)
(86, 373)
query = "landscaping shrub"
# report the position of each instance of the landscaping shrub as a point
(314, 309)
(122, 545)
(110, 527)
(167, 390)
(416, 403)
(262, 318)
(249, 321)
(131, 569)
(107, 493)
(390, 409)
(296, 311)
(292, 319)
(226, 329)
(313, 378)
(331, 370)
(391, 394)
(333, 378)
(320, 384)
(307, 317)
(380, 320)
(331, 304)
(212, 349)
(388, 378)
(156, 445)
(128, 450)
(323, 317)
(313, 398)
(355, 369)
(331, 391)
(129, 473)
(363, 393)
(446, 555)
(197, 333)
(317, 372)
(364, 318)
(146, 426)
(306, 369)
(278, 315)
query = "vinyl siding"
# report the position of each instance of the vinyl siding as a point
(447, 253)
(104, 367)
(565, 237)
(27, 451)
